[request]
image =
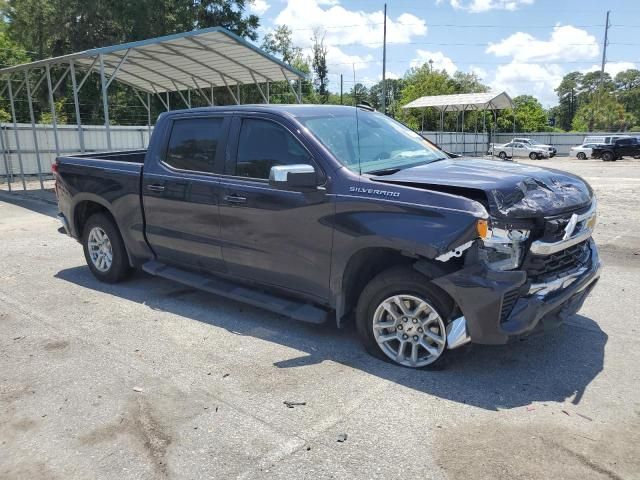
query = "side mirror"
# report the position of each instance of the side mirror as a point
(293, 176)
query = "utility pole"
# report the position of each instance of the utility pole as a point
(604, 46)
(604, 60)
(341, 90)
(384, 63)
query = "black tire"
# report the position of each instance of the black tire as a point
(581, 156)
(534, 156)
(398, 281)
(119, 269)
(502, 155)
(607, 157)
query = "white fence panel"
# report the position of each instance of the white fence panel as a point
(95, 139)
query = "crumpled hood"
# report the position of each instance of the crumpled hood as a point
(512, 189)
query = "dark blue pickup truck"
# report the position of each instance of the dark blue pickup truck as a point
(328, 212)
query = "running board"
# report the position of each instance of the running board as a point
(301, 311)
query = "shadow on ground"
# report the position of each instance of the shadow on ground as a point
(39, 201)
(553, 367)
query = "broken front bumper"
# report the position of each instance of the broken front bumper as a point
(486, 299)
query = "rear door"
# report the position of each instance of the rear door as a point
(273, 236)
(181, 192)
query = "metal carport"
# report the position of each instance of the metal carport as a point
(195, 61)
(463, 102)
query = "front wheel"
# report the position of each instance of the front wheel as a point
(533, 156)
(104, 249)
(582, 156)
(502, 155)
(401, 318)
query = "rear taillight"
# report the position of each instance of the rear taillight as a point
(54, 167)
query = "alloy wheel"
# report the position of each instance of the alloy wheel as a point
(409, 330)
(100, 250)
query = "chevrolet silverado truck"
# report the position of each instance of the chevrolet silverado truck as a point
(622, 147)
(334, 213)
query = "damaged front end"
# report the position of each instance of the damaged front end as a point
(523, 279)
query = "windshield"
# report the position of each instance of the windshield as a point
(371, 142)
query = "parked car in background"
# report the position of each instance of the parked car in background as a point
(518, 149)
(623, 147)
(582, 151)
(527, 141)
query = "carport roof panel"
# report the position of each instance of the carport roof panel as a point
(190, 60)
(464, 101)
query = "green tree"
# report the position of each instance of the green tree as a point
(568, 97)
(280, 44)
(529, 116)
(604, 113)
(319, 65)
(628, 91)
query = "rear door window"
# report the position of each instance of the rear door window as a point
(193, 144)
(263, 144)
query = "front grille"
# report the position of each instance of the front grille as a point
(541, 267)
(508, 301)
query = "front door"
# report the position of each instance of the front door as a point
(274, 236)
(181, 193)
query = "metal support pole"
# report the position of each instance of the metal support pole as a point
(15, 131)
(268, 94)
(52, 106)
(212, 99)
(149, 113)
(4, 157)
(341, 90)
(105, 101)
(168, 104)
(299, 90)
(238, 93)
(33, 128)
(76, 105)
(464, 138)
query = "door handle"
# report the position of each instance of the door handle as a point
(234, 198)
(154, 187)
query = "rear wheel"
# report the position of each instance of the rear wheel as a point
(533, 156)
(104, 249)
(582, 156)
(401, 318)
(607, 156)
(502, 155)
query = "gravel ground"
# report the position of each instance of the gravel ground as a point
(149, 379)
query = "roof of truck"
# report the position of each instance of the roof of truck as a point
(295, 110)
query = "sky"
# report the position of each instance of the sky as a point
(519, 46)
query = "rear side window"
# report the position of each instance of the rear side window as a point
(264, 144)
(193, 144)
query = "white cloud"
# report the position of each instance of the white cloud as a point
(440, 61)
(534, 66)
(518, 78)
(613, 68)
(342, 26)
(477, 6)
(480, 72)
(258, 7)
(566, 43)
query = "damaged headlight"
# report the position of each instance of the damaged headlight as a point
(503, 249)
